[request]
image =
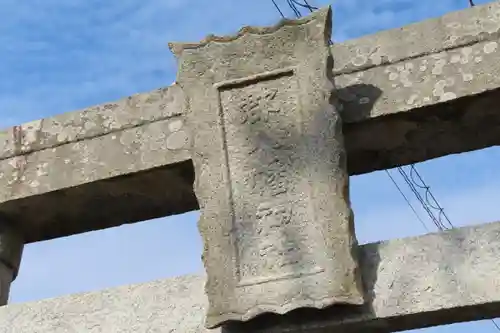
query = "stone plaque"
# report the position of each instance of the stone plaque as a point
(270, 165)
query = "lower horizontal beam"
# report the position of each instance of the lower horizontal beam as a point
(411, 283)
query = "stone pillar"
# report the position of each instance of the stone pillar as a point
(271, 173)
(11, 249)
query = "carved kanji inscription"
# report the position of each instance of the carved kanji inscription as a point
(259, 116)
(271, 174)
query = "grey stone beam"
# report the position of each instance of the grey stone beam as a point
(412, 283)
(408, 95)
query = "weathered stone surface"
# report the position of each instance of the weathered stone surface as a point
(453, 30)
(271, 173)
(11, 249)
(432, 106)
(394, 114)
(418, 282)
(56, 181)
(131, 112)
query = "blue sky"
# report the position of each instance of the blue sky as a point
(61, 56)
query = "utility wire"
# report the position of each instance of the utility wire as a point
(429, 197)
(278, 8)
(429, 201)
(407, 201)
(409, 179)
(304, 5)
(294, 6)
(423, 203)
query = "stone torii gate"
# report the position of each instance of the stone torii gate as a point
(405, 95)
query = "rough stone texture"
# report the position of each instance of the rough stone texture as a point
(134, 111)
(418, 282)
(431, 106)
(453, 30)
(71, 183)
(11, 249)
(271, 171)
(422, 103)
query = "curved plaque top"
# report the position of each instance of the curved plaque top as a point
(178, 47)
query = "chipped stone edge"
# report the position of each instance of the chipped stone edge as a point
(178, 47)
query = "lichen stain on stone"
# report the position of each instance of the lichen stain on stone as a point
(25, 137)
(490, 47)
(402, 72)
(30, 132)
(155, 138)
(378, 57)
(447, 96)
(65, 131)
(175, 125)
(466, 55)
(434, 78)
(365, 56)
(89, 125)
(438, 67)
(34, 184)
(177, 140)
(42, 169)
(19, 164)
(439, 90)
(466, 77)
(455, 58)
(413, 99)
(110, 122)
(130, 137)
(359, 60)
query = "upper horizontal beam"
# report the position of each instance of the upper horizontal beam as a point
(411, 283)
(408, 95)
(433, 36)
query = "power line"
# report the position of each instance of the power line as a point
(296, 11)
(407, 201)
(426, 204)
(409, 179)
(294, 8)
(429, 197)
(278, 8)
(304, 5)
(423, 202)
